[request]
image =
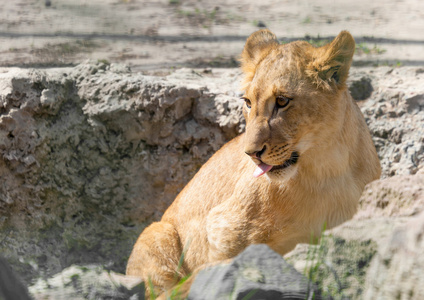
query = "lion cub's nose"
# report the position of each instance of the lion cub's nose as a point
(255, 154)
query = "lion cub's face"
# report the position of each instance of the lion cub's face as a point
(292, 98)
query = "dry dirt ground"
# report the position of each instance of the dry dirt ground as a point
(154, 35)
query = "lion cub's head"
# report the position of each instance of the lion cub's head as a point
(295, 97)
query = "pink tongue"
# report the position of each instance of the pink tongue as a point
(261, 170)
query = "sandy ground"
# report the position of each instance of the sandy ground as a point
(164, 34)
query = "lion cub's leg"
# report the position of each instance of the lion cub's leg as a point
(155, 258)
(227, 231)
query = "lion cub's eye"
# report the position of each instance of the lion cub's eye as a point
(282, 101)
(247, 101)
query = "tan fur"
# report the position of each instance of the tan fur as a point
(223, 209)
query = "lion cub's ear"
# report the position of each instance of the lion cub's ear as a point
(332, 61)
(257, 47)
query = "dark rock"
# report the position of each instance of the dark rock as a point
(256, 273)
(415, 103)
(361, 89)
(11, 288)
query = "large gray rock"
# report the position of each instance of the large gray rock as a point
(256, 273)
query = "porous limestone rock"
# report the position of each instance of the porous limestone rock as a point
(91, 155)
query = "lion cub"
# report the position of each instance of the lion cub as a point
(303, 162)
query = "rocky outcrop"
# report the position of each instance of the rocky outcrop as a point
(91, 155)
